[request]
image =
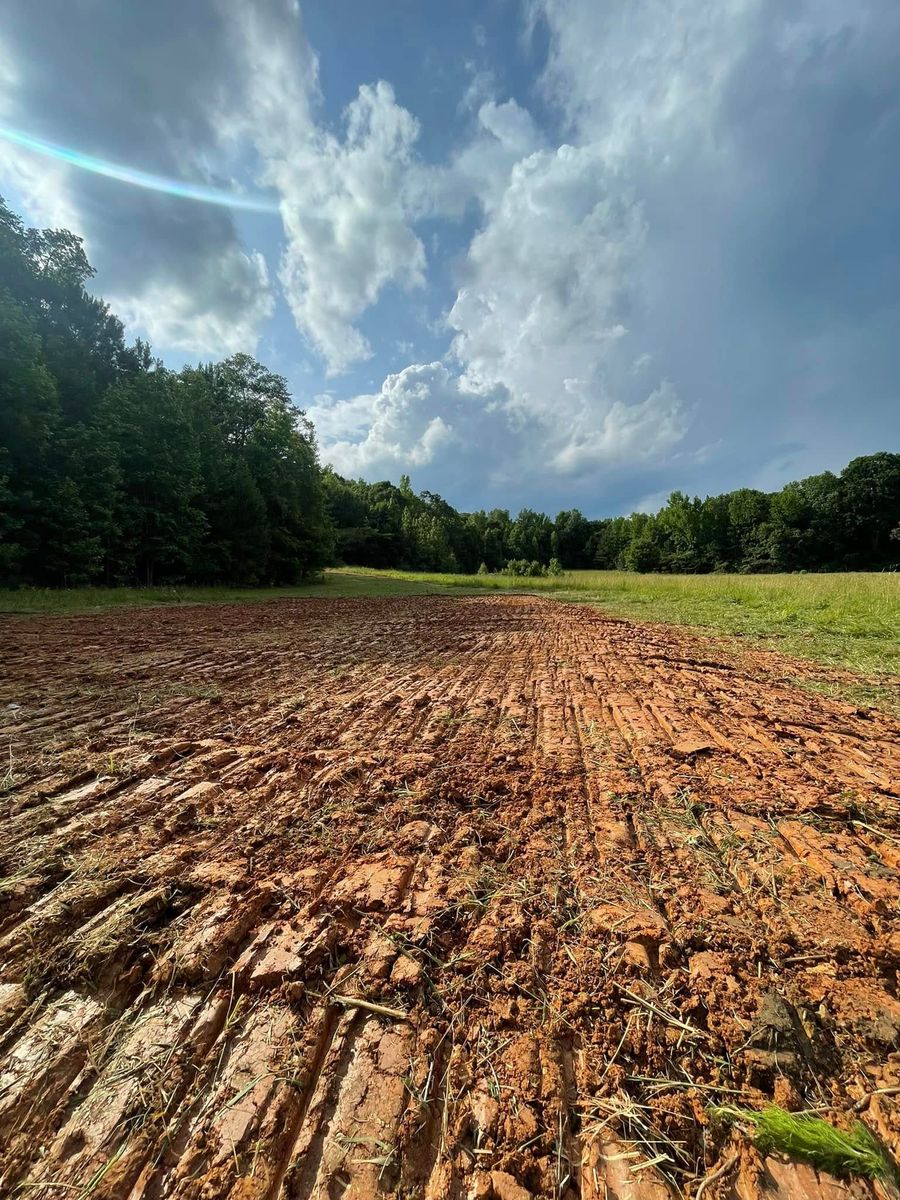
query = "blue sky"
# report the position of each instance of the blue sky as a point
(553, 252)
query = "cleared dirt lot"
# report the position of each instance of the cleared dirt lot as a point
(602, 875)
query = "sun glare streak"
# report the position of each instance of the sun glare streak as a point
(144, 179)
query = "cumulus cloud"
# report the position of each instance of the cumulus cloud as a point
(541, 365)
(621, 283)
(650, 281)
(418, 413)
(547, 280)
(761, 142)
(641, 79)
(470, 444)
(348, 234)
(547, 318)
(428, 419)
(503, 134)
(551, 284)
(227, 304)
(344, 200)
(625, 433)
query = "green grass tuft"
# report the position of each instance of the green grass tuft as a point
(334, 585)
(809, 1138)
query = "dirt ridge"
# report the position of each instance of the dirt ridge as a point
(607, 873)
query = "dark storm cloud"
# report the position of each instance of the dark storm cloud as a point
(822, 135)
(772, 200)
(141, 85)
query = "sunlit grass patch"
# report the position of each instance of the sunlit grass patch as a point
(849, 620)
(807, 1137)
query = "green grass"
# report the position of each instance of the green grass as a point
(809, 1138)
(847, 620)
(851, 621)
(336, 584)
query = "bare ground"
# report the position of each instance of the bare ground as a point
(600, 876)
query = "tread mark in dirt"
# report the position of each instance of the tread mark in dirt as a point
(480, 898)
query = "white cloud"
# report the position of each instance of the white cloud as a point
(419, 412)
(212, 304)
(348, 234)
(543, 337)
(175, 271)
(625, 433)
(344, 200)
(39, 181)
(638, 78)
(542, 346)
(278, 75)
(480, 170)
(591, 254)
(220, 315)
(547, 278)
(551, 282)
(42, 187)
(540, 379)
(428, 415)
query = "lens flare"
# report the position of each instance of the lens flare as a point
(144, 179)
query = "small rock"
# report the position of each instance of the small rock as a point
(506, 1187)
(407, 972)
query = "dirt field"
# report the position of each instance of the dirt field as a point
(600, 876)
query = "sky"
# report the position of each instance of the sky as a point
(544, 253)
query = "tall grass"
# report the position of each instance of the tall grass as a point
(807, 1137)
(59, 601)
(843, 620)
(850, 620)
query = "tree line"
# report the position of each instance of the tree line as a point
(115, 469)
(827, 522)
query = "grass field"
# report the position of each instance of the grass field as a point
(849, 620)
(843, 620)
(50, 601)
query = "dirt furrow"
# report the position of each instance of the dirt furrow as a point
(488, 898)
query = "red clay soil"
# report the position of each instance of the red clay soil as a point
(445, 898)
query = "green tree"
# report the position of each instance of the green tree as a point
(571, 539)
(158, 520)
(868, 510)
(531, 536)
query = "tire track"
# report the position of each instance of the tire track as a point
(591, 875)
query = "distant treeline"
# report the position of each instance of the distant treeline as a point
(114, 469)
(827, 522)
